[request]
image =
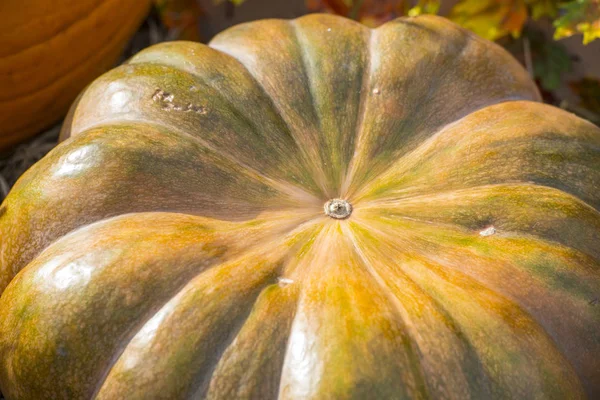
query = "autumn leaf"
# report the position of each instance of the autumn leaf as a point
(491, 19)
(543, 8)
(579, 16)
(180, 17)
(425, 7)
(369, 12)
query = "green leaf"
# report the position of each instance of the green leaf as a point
(550, 59)
(579, 16)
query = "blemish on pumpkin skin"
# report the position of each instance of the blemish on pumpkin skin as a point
(489, 231)
(167, 102)
(376, 91)
(2, 210)
(283, 282)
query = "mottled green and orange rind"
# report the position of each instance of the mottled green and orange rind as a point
(176, 244)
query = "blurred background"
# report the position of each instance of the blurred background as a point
(50, 50)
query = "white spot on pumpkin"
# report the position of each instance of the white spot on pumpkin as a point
(74, 274)
(284, 281)
(376, 91)
(75, 162)
(328, 29)
(489, 231)
(119, 97)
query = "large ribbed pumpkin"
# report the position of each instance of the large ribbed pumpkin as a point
(51, 49)
(308, 209)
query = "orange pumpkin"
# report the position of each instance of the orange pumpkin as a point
(308, 209)
(49, 50)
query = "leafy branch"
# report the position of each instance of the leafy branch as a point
(492, 19)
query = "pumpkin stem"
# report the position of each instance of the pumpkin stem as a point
(338, 208)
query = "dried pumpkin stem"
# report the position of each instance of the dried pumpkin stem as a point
(338, 208)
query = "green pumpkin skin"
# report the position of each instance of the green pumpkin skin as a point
(175, 245)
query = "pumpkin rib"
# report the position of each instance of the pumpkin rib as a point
(264, 338)
(396, 305)
(197, 71)
(362, 143)
(540, 241)
(433, 205)
(315, 167)
(275, 254)
(253, 125)
(491, 45)
(236, 136)
(216, 350)
(116, 148)
(319, 174)
(433, 264)
(550, 353)
(334, 86)
(409, 171)
(135, 221)
(306, 71)
(516, 273)
(454, 59)
(545, 245)
(252, 173)
(246, 170)
(365, 84)
(480, 383)
(337, 297)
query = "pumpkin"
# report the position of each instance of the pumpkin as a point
(50, 50)
(308, 209)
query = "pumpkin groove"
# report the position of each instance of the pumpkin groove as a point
(178, 243)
